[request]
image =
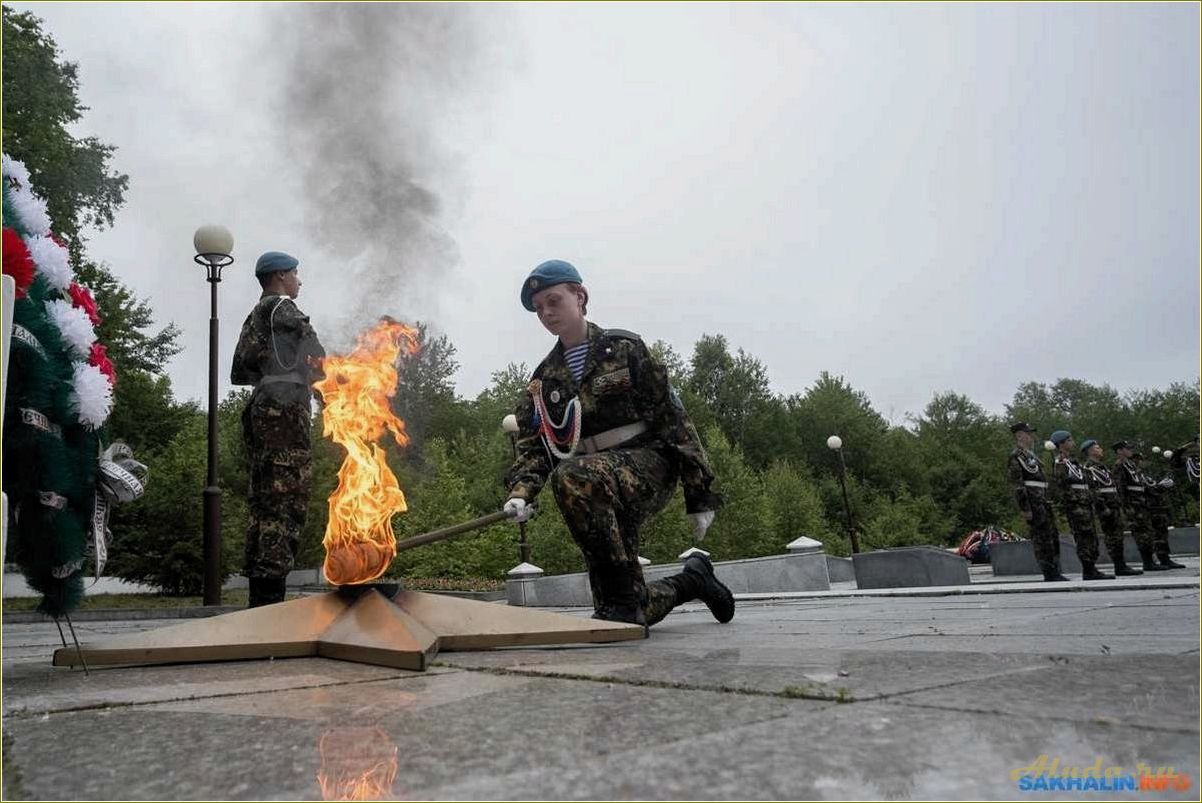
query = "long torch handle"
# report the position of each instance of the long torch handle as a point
(453, 530)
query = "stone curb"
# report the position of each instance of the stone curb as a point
(1038, 587)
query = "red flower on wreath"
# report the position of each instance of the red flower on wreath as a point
(99, 357)
(17, 261)
(81, 297)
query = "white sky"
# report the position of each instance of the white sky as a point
(920, 198)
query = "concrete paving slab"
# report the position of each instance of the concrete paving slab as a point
(511, 726)
(873, 751)
(699, 710)
(1126, 690)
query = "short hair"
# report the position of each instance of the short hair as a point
(579, 288)
(264, 279)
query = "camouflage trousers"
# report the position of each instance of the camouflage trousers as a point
(281, 466)
(1111, 519)
(1140, 521)
(605, 498)
(1160, 520)
(1080, 523)
(1044, 537)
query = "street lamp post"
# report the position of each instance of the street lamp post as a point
(835, 443)
(213, 246)
(510, 424)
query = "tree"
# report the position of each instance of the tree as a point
(424, 386)
(41, 99)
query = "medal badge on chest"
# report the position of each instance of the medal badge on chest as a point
(1029, 463)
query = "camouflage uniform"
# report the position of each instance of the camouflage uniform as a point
(1160, 514)
(274, 354)
(605, 496)
(1109, 507)
(1025, 473)
(1072, 491)
(1133, 493)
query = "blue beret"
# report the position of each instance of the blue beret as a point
(548, 274)
(1085, 446)
(1060, 436)
(275, 262)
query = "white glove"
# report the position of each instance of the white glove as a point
(701, 523)
(1167, 482)
(519, 510)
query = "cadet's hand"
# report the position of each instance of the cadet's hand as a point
(519, 509)
(701, 522)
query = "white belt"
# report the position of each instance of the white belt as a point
(1106, 491)
(1139, 488)
(1079, 487)
(1035, 484)
(610, 438)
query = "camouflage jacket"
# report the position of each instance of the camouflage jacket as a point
(1025, 474)
(1070, 485)
(1105, 491)
(1159, 490)
(621, 384)
(277, 352)
(1130, 482)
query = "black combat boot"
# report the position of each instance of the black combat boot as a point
(266, 591)
(621, 603)
(709, 588)
(1168, 562)
(1089, 571)
(1150, 564)
(1121, 569)
(1053, 576)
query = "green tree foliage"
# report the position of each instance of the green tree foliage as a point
(41, 102)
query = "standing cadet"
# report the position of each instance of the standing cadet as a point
(1185, 461)
(1108, 506)
(1072, 489)
(1160, 513)
(1130, 482)
(1030, 487)
(278, 352)
(600, 422)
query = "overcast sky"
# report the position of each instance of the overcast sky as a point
(920, 198)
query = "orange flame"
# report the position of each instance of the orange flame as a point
(359, 540)
(357, 763)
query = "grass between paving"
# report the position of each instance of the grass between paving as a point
(13, 789)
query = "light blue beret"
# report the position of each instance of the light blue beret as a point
(548, 274)
(1060, 436)
(275, 262)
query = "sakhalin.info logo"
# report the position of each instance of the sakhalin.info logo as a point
(1047, 774)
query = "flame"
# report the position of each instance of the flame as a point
(357, 763)
(359, 541)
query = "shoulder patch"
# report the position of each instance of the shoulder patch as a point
(623, 333)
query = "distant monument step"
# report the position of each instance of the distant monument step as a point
(907, 567)
(1018, 557)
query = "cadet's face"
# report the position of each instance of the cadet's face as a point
(290, 283)
(558, 308)
(1095, 452)
(1025, 439)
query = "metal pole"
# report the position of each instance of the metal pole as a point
(523, 544)
(212, 493)
(851, 531)
(452, 531)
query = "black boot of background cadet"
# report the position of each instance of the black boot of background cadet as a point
(266, 590)
(709, 588)
(1089, 571)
